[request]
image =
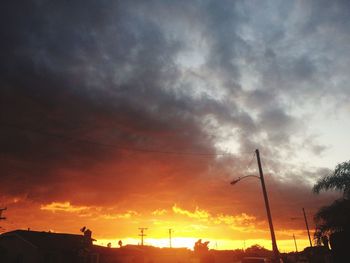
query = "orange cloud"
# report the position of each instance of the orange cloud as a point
(159, 212)
(63, 207)
(126, 215)
(198, 213)
(241, 222)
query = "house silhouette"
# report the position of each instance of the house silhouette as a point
(25, 246)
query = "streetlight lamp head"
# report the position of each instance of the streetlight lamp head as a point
(235, 181)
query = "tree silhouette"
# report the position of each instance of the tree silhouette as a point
(257, 251)
(201, 248)
(332, 218)
(333, 221)
(339, 180)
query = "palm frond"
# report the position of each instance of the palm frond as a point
(332, 218)
(339, 180)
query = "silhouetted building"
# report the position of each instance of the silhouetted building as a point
(119, 255)
(142, 254)
(22, 246)
(318, 254)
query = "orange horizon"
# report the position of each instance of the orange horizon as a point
(284, 246)
(223, 231)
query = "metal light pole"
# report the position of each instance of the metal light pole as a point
(170, 245)
(269, 217)
(307, 227)
(295, 244)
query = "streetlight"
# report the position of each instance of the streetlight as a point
(295, 244)
(269, 217)
(240, 178)
(307, 227)
(306, 224)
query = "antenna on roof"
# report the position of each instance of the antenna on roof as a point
(83, 229)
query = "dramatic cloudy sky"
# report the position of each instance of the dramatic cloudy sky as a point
(127, 114)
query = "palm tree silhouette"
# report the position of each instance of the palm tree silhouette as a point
(339, 180)
(333, 221)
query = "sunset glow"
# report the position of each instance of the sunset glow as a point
(224, 231)
(121, 115)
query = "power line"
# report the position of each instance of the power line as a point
(118, 147)
(251, 161)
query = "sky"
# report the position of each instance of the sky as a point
(117, 115)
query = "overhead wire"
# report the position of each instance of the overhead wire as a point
(118, 147)
(251, 161)
(281, 194)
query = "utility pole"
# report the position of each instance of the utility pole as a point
(170, 237)
(269, 217)
(295, 244)
(307, 227)
(142, 234)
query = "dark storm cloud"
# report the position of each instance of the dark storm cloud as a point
(292, 69)
(222, 23)
(310, 55)
(277, 124)
(323, 13)
(91, 72)
(76, 73)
